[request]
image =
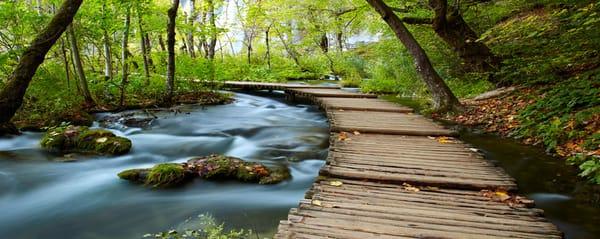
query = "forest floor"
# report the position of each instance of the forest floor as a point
(572, 135)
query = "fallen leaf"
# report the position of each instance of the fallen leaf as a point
(342, 136)
(335, 183)
(101, 140)
(316, 203)
(410, 188)
(356, 133)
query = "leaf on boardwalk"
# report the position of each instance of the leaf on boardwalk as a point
(343, 136)
(498, 196)
(335, 183)
(431, 137)
(410, 188)
(444, 140)
(316, 203)
(356, 133)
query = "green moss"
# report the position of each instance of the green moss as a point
(166, 175)
(276, 175)
(246, 173)
(135, 175)
(216, 166)
(81, 139)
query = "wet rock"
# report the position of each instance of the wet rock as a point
(135, 175)
(130, 119)
(167, 175)
(213, 167)
(219, 167)
(81, 139)
(276, 175)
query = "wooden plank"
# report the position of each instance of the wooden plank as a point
(385, 123)
(328, 93)
(271, 86)
(336, 103)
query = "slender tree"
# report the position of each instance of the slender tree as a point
(11, 96)
(172, 14)
(443, 98)
(143, 45)
(124, 55)
(78, 64)
(191, 19)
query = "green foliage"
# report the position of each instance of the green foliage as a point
(207, 228)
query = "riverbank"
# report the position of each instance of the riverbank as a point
(80, 114)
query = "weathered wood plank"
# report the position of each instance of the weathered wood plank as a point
(336, 103)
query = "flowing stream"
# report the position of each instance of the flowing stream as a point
(42, 197)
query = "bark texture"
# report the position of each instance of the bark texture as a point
(81, 79)
(11, 96)
(449, 25)
(172, 13)
(443, 98)
(124, 55)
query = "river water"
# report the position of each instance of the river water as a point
(42, 197)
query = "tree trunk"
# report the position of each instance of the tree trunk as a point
(172, 13)
(213, 30)
(161, 42)
(143, 48)
(268, 46)
(66, 62)
(190, 36)
(452, 28)
(149, 51)
(108, 68)
(340, 41)
(443, 98)
(81, 79)
(124, 56)
(288, 48)
(324, 43)
(11, 96)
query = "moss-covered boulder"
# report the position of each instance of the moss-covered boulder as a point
(135, 175)
(276, 176)
(219, 167)
(167, 175)
(213, 167)
(81, 139)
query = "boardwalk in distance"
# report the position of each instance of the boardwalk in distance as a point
(394, 174)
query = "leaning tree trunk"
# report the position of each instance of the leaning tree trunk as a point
(81, 79)
(11, 96)
(108, 67)
(443, 98)
(452, 29)
(143, 47)
(172, 13)
(124, 55)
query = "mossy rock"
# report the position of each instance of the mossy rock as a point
(166, 175)
(219, 167)
(135, 175)
(276, 175)
(216, 166)
(81, 139)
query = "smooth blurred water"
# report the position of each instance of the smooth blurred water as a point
(568, 201)
(41, 197)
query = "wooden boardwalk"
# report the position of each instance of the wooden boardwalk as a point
(394, 174)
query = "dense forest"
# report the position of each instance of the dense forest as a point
(64, 60)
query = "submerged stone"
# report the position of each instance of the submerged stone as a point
(81, 139)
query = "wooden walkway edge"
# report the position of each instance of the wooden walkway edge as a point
(394, 174)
